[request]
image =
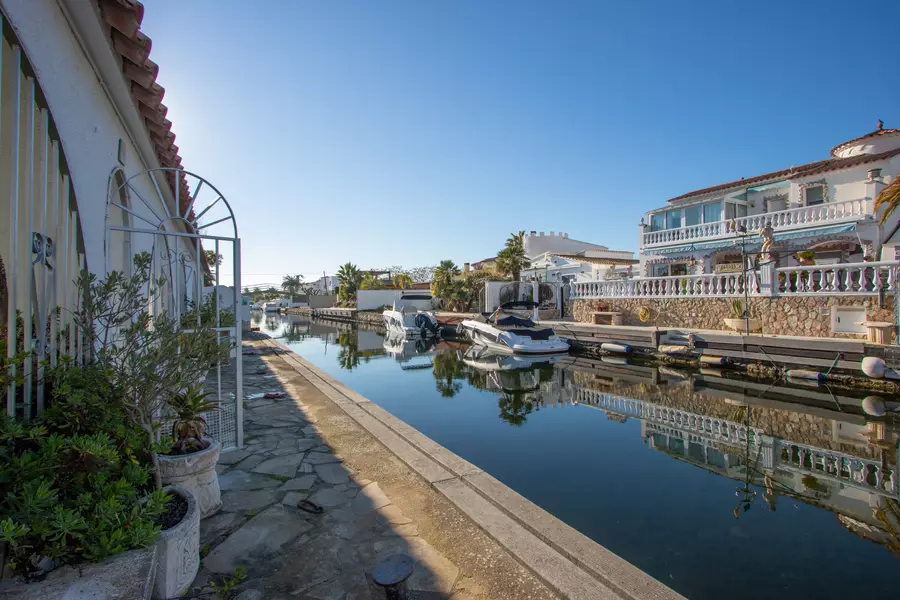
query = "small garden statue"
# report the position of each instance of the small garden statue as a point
(768, 236)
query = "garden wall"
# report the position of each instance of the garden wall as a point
(805, 315)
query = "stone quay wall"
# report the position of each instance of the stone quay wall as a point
(799, 315)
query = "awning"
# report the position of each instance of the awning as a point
(735, 241)
(761, 188)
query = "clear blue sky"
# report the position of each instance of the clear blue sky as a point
(408, 132)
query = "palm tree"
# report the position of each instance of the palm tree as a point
(512, 259)
(890, 199)
(442, 285)
(370, 282)
(403, 281)
(291, 284)
(350, 278)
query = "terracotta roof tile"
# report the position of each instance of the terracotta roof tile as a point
(878, 132)
(821, 166)
(123, 19)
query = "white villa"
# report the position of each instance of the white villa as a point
(827, 207)
(557, 258)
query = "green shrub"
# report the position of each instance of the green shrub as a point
(76, 485)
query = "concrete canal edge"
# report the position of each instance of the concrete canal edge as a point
(567, 561)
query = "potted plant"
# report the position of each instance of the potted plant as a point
(76, 491)
(191, 460)
(806, 258)
(741, 319)
(151, 361)
(178, 546)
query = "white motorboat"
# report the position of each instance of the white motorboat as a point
(408, 320)
(270, 307)
(511, 334)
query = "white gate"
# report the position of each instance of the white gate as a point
(192, 272)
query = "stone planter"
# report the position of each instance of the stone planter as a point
(197, 473)
(741, 324)
(178, 551)
(126, 576)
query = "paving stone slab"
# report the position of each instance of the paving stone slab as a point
(283, 466)
(318, 458)
(235, 456)
(222, 523)
(333, 473)
(369, 498)
(235, 479)
(247, 501)
(251, 461)
(301, 483)
(329, 498)
(293, 498)
(258, 538)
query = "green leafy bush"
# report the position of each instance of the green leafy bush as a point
(76, 484)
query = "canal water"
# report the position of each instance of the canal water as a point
(718, 487)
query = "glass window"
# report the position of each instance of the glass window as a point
(660, 270)
(673, 219)
(712, 212)
(729, 211)
(815, 195)
(679, 269)
(692, 215)
(657, 221)
(741, 210)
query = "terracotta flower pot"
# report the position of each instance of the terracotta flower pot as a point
(741, 324)
(195, 472)
(178, 551)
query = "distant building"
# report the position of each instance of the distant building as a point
(536, 244)
(574, 267)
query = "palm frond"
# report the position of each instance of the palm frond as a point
(889, 198)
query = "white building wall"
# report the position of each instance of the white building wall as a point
(88, 123)
(538, 243)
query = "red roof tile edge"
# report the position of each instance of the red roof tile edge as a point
(821, 166)
(123, 20)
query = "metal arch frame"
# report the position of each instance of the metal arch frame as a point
(193, 231)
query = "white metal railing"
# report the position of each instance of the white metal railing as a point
(710, 285)
(782, 220)
(845, 279)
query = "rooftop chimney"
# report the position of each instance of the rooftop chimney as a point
(542, 234)
(552, 234)
(534, 233)
(874, 174)
(465, 267)
(566, 235)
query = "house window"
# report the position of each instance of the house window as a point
(678, 269)
(712, 212)
(657, 221)
(735, 211)
(673, 219)
(660, 270)
(815, 195)
(692, 215)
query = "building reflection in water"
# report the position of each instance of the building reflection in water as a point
(811, 444)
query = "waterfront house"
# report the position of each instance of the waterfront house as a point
(826, 207)
(587, 265)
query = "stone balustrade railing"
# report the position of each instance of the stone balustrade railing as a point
(710, 285)
(848, 470)
(865, 278)
(782, 220)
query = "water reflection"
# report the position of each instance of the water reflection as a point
(773, 453)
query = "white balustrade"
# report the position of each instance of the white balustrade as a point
(710, 285)
(849, 470)
(782, 220)
(843, 279)
(865, 278)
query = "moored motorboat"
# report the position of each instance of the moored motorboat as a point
(407, 319)
(512, 334)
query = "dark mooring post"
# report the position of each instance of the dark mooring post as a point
(391, 574)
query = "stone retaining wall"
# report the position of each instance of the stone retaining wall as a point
(804, 315)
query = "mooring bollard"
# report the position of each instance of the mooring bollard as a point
(391, 574)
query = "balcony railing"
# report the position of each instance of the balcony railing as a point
(710, 285)
(782, 220)
(847, 279)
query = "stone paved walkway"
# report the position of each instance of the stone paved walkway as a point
(291, 554)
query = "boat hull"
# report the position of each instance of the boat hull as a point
(481, 335)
